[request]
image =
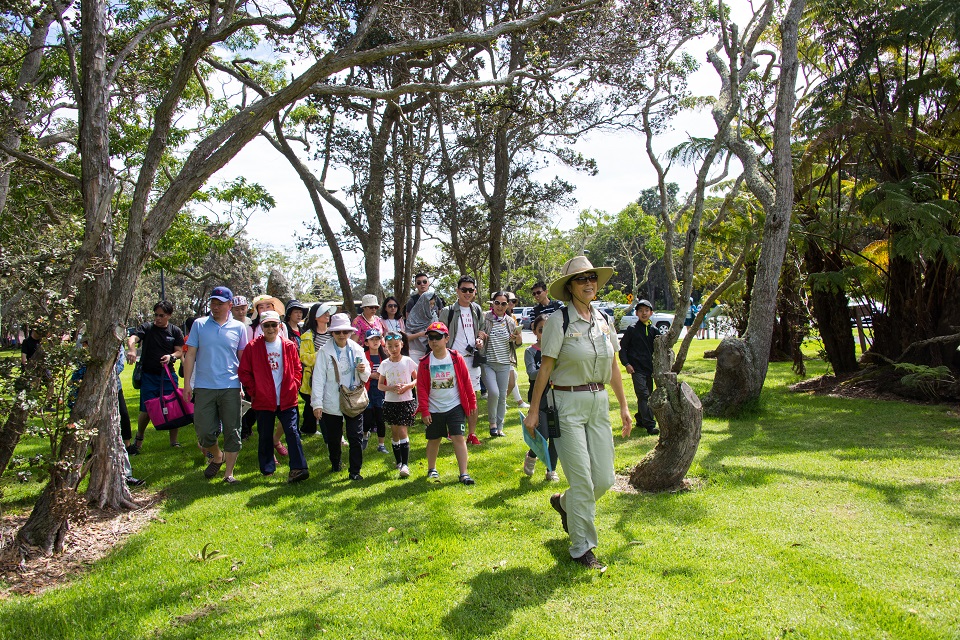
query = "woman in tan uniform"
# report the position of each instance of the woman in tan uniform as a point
(579, 359)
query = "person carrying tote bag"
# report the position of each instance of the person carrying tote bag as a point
(171, 411)
(340, 359)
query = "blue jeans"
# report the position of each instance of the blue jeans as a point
(288, 420)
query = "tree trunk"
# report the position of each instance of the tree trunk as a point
(59, 503)
(680, 417)
(13, 429)
(831, 311)
(751, 354)
(108, 486)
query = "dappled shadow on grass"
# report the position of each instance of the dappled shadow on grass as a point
(860, 429)
(900, 496)
(495, 594)
(525, 486)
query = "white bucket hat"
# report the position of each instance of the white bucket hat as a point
(340, 322)
(369, 300)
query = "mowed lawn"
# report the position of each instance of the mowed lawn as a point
(811, 518)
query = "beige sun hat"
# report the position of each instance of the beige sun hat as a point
(369, 300)
(277, 305)
(574, 267)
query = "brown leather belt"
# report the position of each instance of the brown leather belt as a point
(590, 386)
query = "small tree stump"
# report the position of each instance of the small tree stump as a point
(680, 418)
(735, 381)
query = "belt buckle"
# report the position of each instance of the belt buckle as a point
(594, 387)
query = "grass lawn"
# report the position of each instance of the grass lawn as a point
(813, 518)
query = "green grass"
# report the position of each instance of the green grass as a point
(814, 518)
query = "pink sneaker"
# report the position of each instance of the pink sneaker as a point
(282, 450)
(473, 439)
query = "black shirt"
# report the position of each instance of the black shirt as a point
(29, 346)
(553, 305)
(636, 347)
(156, 343)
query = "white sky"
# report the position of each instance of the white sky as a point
(623, 170)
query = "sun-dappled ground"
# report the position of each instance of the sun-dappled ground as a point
(812, 517)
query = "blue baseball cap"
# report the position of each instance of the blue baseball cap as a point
(372, 333)
(222, 294)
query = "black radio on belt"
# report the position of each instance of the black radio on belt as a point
(552, 418)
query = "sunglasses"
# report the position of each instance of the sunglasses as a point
(512, 301)
(342, 333)
(372, 306)
(435, 336)
(423, 281)
(585, 279)
(270, 325)
(393, 336)
(498, 303)
(467, 290)
(392, 306)
(538, 292)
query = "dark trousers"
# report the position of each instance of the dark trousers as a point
(125, 431)
(309, 424)
(248, 420)
(288, 420)
(373, 419)
(332, 427)
(643, 386)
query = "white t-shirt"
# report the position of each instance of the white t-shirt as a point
(397, 373)
(443, 385)
(275, 359)
(466, 333)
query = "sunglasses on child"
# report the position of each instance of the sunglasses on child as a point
(393, 336)
(435, 336)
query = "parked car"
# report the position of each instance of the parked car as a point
(660, 320)
(524, 316)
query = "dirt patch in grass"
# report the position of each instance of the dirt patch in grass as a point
(622, 485)
(85, 544)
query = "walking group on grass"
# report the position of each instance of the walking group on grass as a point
(254, 362)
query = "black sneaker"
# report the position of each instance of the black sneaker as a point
(590, 561)
(653, 431)
(356, 476)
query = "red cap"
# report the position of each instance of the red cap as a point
(438, 327)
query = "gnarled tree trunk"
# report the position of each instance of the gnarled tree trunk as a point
(108, 484)
(680, 417)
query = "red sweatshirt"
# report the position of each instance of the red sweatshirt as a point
(464, 385)
(257, 379)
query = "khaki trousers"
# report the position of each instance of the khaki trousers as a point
(585, 449)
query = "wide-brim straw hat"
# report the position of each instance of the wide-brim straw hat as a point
(277, 305)
(340, 322)
(574, 267)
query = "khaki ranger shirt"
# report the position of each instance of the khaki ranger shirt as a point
(585, 354)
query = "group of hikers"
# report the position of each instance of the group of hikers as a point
(253, 362)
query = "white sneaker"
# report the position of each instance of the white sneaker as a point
(404, 471)
(529, 464)
(523, 405)
(552, 476)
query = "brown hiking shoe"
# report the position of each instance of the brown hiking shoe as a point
(555, 503)
(590, 561)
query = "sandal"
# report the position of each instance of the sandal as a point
(231, 480)
(213, 469)
(466, 479)
(134, 449)
(175, 445)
